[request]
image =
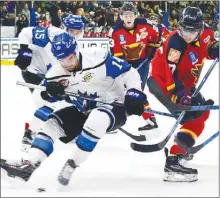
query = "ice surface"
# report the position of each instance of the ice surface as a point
(113, 169)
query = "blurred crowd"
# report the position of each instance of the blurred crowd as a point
(98, 16)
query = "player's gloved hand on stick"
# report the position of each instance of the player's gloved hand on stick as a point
(182, 97)
(135, 101)
(55, 89)
(213, 50)
(23, 60)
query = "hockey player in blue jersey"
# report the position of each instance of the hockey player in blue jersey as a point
(92, 74)
(35, 59)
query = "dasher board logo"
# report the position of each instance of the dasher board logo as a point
(174, 55)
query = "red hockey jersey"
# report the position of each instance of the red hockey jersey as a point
(178, 64)
(132, 44)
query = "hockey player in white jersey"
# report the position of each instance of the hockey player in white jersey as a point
(96, 75)
(35, 59)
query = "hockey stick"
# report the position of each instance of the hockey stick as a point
(160, 145)
(138, 138)
(175, 107)
(197, 148)
(29, 85)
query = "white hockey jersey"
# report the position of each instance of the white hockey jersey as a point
(39, 40)
(99, 75)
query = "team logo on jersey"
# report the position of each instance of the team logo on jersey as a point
(174, 55)
(64, 82)
(122, 39)
(193, 58)
(143, 35)
(142, 30)
(207, 39)
(87, 77)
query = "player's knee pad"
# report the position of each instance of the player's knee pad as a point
(53, 129)
(43, 113)
(44, 143)
(94, 128)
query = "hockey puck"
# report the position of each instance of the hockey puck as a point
(41, 189)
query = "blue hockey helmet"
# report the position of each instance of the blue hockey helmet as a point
(191, 24)
(191, 19)
(63, 45)
(74, 22)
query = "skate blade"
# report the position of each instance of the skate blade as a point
(175, 177)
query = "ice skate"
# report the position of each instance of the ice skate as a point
(27, 138)
(21, 170)
(150, 129)
(66, 172)
(175, 172)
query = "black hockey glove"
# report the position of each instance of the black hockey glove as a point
(55, 89)
(213, 50)
(23, 60)
(135, 101)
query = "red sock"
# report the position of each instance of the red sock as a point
(27, 125)
(147, 115)
(175, 149)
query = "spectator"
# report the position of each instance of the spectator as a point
(3, 16)
(174, 18)
(21, 23)
(38, 14)
(26, 11)
(87, 6)
(56, 17)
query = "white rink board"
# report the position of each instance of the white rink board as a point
(9, 47)
(113, 169)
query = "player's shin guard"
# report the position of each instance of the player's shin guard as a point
(92, 132)
(41, 148)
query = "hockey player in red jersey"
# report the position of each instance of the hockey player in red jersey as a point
(130, 40)
(175, 71)
(163, 31)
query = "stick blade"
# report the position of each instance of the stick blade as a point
(145, 148)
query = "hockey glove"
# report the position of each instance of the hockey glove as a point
(23, 60)
(213, 50)
(55, 89)
(191, 115)
(134, 102)
(182, 97)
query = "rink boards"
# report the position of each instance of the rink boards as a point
(9, 47)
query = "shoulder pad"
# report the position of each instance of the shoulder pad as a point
(40, 36)
(175, 48)
(116, 27)
(116, 66)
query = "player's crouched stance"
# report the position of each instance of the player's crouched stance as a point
(104, 77)
(175, 72)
